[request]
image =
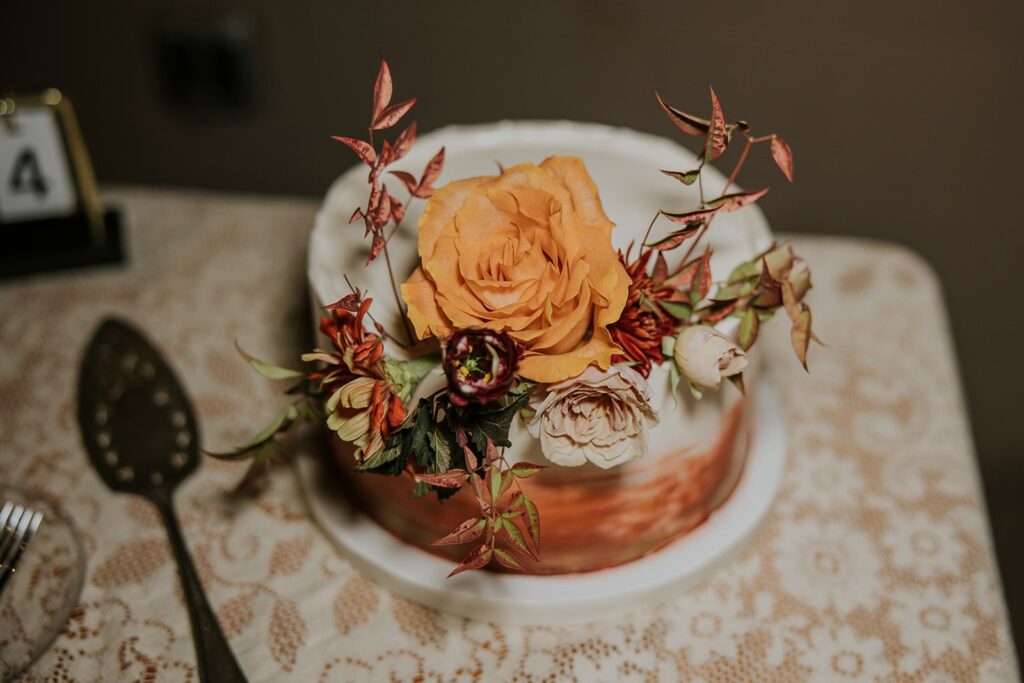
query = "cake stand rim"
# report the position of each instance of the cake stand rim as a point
(537, 600)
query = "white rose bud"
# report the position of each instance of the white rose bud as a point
(705, 356)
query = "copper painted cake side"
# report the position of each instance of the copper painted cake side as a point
(606, 518)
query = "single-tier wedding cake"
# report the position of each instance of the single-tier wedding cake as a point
(519, 340)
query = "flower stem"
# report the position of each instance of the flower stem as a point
(398, 298)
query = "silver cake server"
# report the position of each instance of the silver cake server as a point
(141, 436)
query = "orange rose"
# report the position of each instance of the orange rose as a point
(528, 252)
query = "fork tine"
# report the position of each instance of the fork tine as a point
(5, 512)
(8, 562)
(10, 529)
(26, 529)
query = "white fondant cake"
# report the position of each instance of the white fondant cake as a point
(625, 166)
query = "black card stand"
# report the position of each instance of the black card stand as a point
(58, 243)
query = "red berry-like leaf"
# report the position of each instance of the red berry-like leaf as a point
(477, 558)
(691, 125)
(362, 149)
(469, 530)
(783, 157)
(717, 138)
(393, 114)
(381, 89)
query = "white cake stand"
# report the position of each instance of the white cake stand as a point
(538, 600)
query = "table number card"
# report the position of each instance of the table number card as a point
(50, 213)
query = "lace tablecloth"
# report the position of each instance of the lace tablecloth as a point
(875, 564)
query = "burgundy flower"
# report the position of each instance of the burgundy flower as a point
(480, 365)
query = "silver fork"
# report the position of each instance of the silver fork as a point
(17, 526)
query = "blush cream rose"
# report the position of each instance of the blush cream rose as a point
(603, 416)
(529, 253)
(705, 356)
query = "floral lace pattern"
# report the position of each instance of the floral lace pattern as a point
(875, 563)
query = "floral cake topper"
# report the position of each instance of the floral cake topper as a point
(534, 316)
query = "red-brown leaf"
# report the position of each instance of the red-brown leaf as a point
(477, 558)
(381, 89)
(407, 179)
(362, 149)
(737, 200)
(674, 239)
(717, 138)
(690, 217)
(357, 215)
(783, 157)
(701, 283)
(660, 270)
(685, 177)
(376, 247)
(404, 141)
(393, 114)
(397, 209)
(691, 125)
(469, 530)
(381, 212)
(800, 335)
(430, 174)
(452, 479)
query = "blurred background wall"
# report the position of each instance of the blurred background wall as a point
(904, 118)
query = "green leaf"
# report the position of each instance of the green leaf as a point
(523, 470)
(508, 559)
(406, 375)
(421, 489)
(698, 393)
(685, 177)
(442, 450)
(266, 369)
(495, 483)
(749, 327)
(515, 536)
(279, 424)
(677, 310)
(493, 420)
(532, 516)
(744, 271)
